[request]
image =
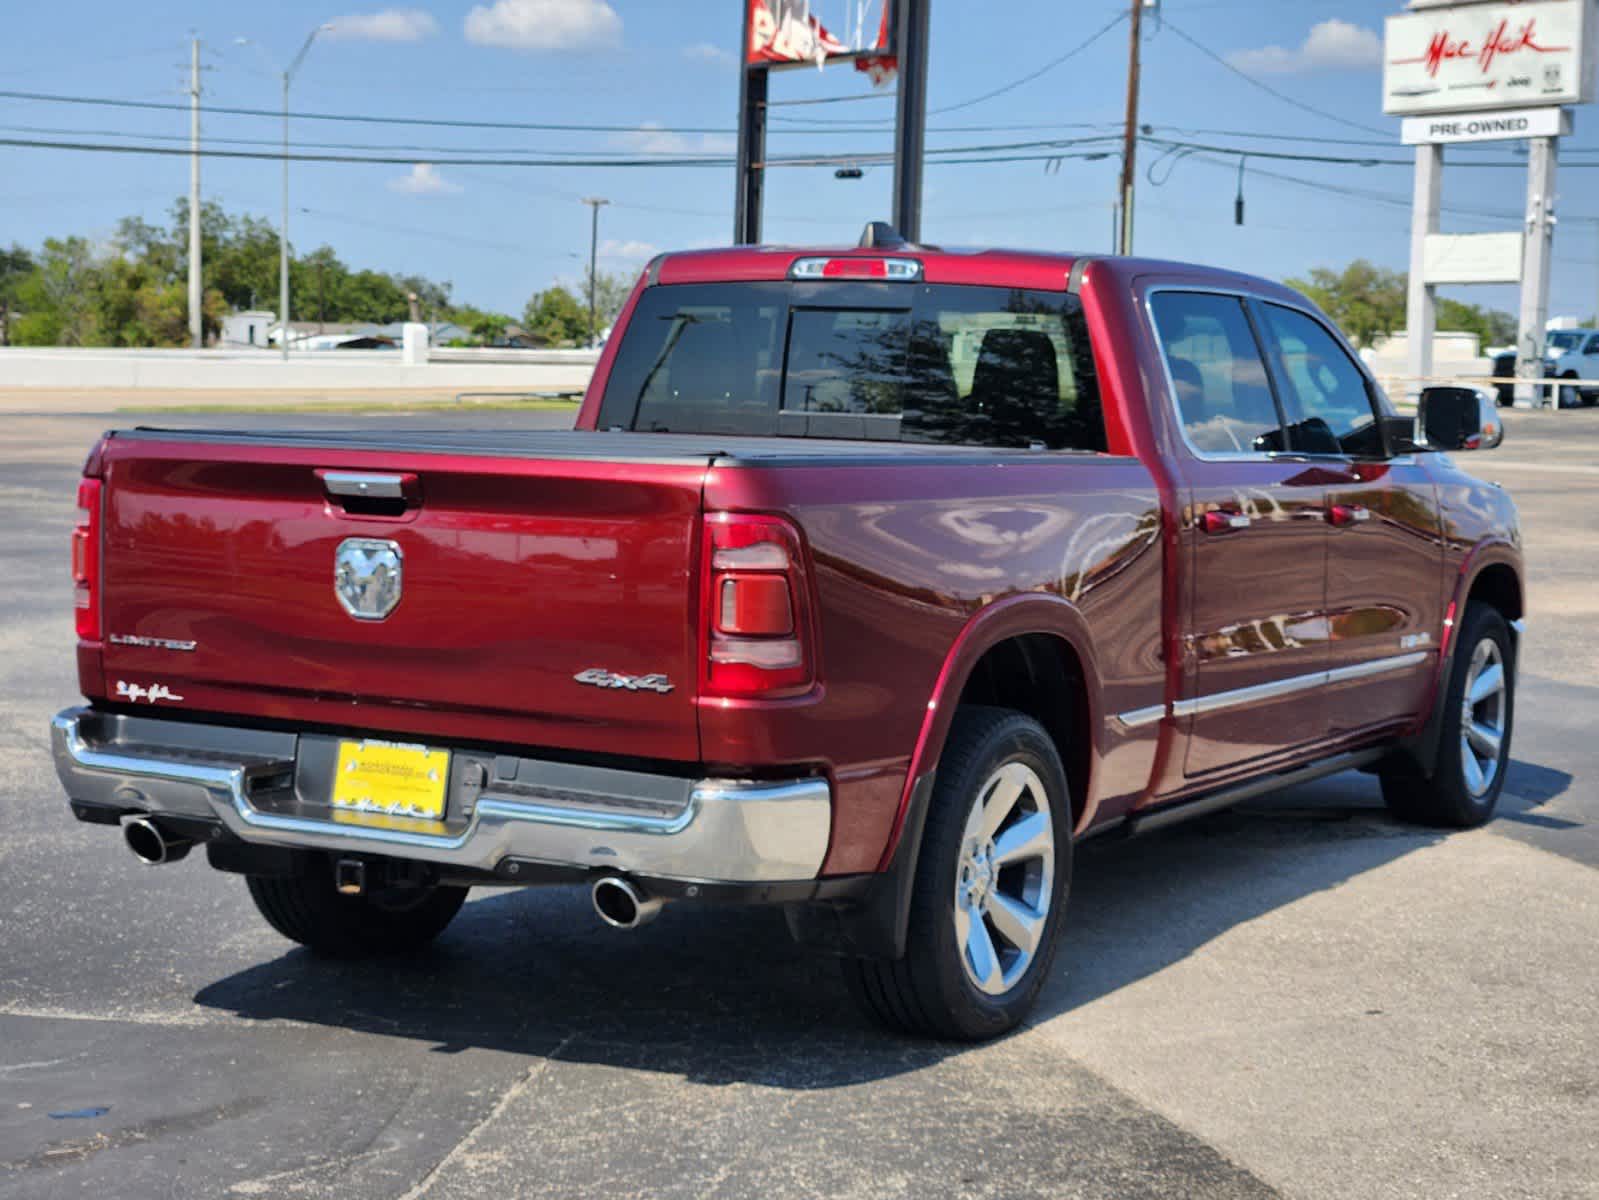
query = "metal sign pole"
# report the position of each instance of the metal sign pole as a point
(1421, 307)
(1535, 274)
(751, 144)
(910, 123)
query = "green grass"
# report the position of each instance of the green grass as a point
(364, 407)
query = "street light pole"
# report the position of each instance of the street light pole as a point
(283, 229)
(595, 203)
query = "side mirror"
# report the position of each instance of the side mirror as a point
(1399, 436)
(1458, 418)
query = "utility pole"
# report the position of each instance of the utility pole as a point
(1130, 136)
(196, 287)
(595, 203)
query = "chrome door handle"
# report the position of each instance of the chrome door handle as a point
(1348, 514)
(1221, 520)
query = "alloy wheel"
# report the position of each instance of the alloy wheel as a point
(1483, 717)
(1004, 886)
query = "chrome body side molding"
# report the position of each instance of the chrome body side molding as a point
(1277, 688)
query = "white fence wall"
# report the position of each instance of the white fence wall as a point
(61, 369)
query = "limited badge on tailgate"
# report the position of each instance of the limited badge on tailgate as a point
(391, 779)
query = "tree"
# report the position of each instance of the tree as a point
(610, 293)
(133, 292)
(16, 265)
(57, 299)
(486, 326)
(1366, 301)
(1492, 326)
(556, 316)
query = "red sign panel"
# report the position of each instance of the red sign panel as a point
(789, 33)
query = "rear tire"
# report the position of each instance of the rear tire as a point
(990, 890)
(307, 909)
(1474, 739)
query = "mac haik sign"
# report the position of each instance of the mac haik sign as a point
(1483, 56)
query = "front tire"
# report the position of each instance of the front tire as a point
(1474, 740)
(1570, 396)
(307, 909)
(990, 889)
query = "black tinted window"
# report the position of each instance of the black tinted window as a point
(846, 373)
(964, 365)
(1223, 396)
(1324, 392)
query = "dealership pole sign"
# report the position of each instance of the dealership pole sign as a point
(1487, 56)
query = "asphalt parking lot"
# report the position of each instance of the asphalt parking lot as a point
(1300, 998)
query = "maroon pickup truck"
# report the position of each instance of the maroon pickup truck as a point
(870, 581)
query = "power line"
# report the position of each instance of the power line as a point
(1269, 90)
(1058, 148)
(796, 127)
(1043, 70)
(361, 118)
(1038, 150)
(832, 100)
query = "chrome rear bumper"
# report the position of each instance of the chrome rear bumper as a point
(655, 826)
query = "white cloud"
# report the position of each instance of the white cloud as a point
(650, 138)
(545, 24)
(709, 52)
(1333, 45)
(630, 251)
(389, 25)
(424, 180)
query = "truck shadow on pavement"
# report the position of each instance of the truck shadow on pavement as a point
(720, 995)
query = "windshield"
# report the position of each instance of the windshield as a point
(1564, 339)
(877, 362)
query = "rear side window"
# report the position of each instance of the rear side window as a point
(1224, 399)
(884, 362)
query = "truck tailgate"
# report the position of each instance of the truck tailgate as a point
(519, 572)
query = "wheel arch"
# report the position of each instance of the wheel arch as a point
(1028, 629)
(1028, 633)
(1491, 573)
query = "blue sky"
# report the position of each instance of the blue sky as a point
(498, 234)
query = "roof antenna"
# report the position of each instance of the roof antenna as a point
(880, 235)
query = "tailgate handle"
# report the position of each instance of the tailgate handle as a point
(372, 493)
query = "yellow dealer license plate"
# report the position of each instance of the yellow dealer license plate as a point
(380, 783)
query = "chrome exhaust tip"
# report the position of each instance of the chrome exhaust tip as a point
(152, 845)
(621, 904)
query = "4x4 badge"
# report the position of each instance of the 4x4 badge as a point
(599, 677)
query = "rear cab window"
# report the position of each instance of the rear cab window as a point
(959, 365)
(1218, 375)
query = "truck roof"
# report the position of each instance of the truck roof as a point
(979, 266)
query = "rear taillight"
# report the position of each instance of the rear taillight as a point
(86, 560)
(757, 631)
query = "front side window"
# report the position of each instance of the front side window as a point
(1324, 392)
(885, 362)
(1593, 345)
(1224, 399)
